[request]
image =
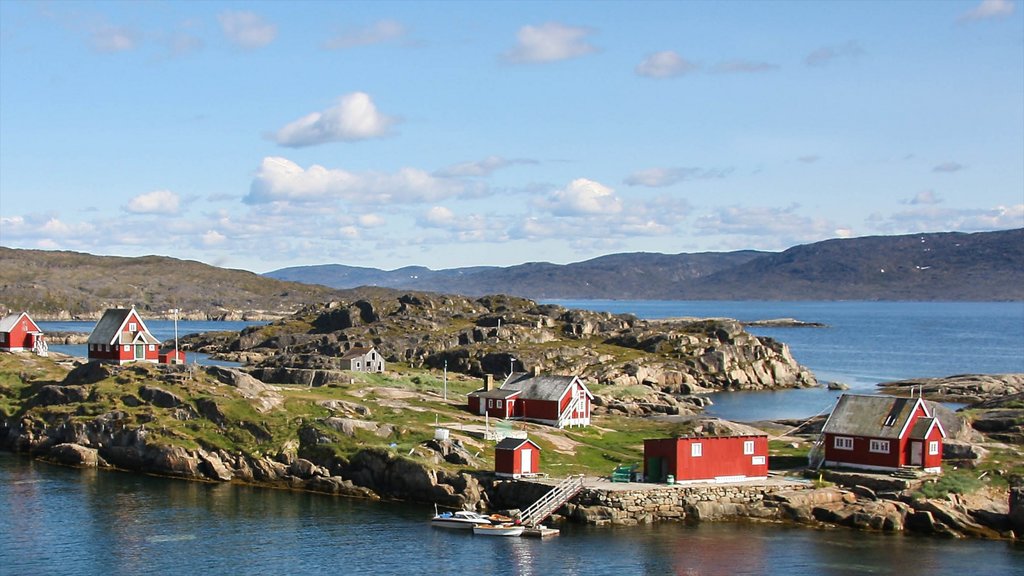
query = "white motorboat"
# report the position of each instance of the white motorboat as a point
(499, 530)
(463, 519)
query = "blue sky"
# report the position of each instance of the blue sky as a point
(260, 135)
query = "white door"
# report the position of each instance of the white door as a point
(526, 462)
(915, 453)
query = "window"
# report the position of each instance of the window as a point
(748, 447)
(3, 336)
(499, 403)
(133, 327)
(757, 460)
(696, 450)
(152, 347)
(490, 403)
(933, 448)
(843, 443)
(880, 446)
(127, 348)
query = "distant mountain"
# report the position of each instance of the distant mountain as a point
(938, 266)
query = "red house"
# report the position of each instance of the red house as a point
(882, 433)
(121, 337)
(554, 400)
(515, 457)
(706, 458)
(19, 333)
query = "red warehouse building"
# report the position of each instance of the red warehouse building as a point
(883, 433)
(706, 458)
(554, 400)
(19, 333)
(121, 337)
(515, 457)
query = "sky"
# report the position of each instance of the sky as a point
(262, 135)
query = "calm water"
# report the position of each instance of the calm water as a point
(865, 343)
(162, 330)
(68, 521)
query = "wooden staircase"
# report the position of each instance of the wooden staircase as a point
(553, 500)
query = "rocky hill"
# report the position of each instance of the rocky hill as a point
(986, 266)
(64, 285)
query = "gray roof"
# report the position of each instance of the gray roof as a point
(873, 416)
(539, 387)
(7, 323)
(108, 329)
(494, 393)
(356, 352)
(921, 427)
(513, 443)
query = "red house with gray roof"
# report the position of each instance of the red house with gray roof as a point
(121, 337)
(19, 333)
(883, 433)
(554, 400)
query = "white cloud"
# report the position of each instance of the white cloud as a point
(438, 217)
(988, 9)
(247, 29)
(583, 197)
(377, 33)
(549, 42)
(281, 180)
(925, 197)
(743, 67)
(156, 202)
(484, 167)
(371, 220)
(665, 64)
(948, 167)
(930, 218)
(784, 226)
(661, 177)
(113, 39)
(213, 238)
(827, 54)
(354, 117)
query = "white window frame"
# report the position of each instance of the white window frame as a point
(758, 460)
(152, 347)
(127, 347)
(499, 404)
(933, 448)
(133, 327)
(696, 450)
(878, 446)
(748, 447)
(842, 443)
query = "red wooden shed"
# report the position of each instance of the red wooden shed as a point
(706, 458)
(883, 433)
(515, 457)
(19, 333)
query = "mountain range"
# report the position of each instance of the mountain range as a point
(983, 266)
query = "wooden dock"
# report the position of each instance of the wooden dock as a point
(540, 532)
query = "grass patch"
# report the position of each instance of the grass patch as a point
(958, 481)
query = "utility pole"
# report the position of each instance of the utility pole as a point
(446, 380)
(176, 356)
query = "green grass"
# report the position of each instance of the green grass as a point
(960, 481)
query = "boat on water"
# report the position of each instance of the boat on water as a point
(499, 530)
(463, 519)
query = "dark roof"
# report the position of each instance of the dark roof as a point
(539, 387)
(356, 352)
(494, 393)
(921, 427)
(108, 329)
(873, 416)
(513, 443)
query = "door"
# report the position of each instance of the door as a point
(916, 449)
(140, 351)
(526, 462)
(654, 471)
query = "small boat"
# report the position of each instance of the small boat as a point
(499, 530)
(463, 519)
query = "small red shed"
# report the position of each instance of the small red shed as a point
(19, 333)
(515, 457)
(882, 433)
(706, 458)
(172, 357)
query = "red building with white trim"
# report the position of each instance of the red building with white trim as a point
(18, 332)
(121, 337)
(883, 433)
(554, 400)
(515, 457)
(706, 458)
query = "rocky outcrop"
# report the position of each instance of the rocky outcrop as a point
(962, 388)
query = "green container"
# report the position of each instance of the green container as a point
(670, 479)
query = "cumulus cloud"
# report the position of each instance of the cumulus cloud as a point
(281, 180)
(549, 42)
(377, 33)
(988, 9)
(743, 67)
(213, 238)
(827, 54)
(156, 202)
(484, 167)
(247, 29)
(665, 64)
(660, 177)
(583, 197)
(113, 39)
(948, 167)
(354, 117)
(924, 198)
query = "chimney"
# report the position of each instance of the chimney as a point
(488, 382)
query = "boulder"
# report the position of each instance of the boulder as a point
(159, 397)
(53, 394)
(76, 455)
(213, 467)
